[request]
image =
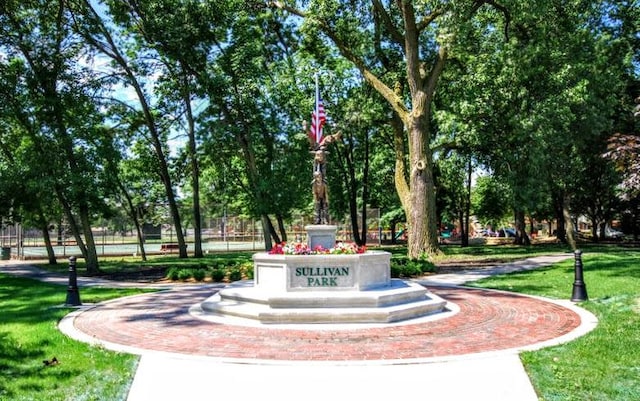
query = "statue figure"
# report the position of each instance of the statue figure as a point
(319, 165)
(320, 199)
(319, 183)
(319, 154)
(329, 139)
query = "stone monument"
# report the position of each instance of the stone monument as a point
(321, 281)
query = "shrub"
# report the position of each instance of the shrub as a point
(235, 274)
(423, 266)
(172, 274)
(413, 268)
(404, 267)
(199, 274)
(184, 274)
(217, 275)
(248, 271)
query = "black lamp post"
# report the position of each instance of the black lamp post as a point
(73, 295)
(579, 287)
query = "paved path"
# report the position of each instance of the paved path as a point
(472, 353)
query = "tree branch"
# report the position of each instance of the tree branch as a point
(396, 35)
(436, 70)
(386, 92)
(412, 55)
(424, 23)
(507, 15)
(292, 10)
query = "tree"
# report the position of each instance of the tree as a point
(595, 194)
(532, 107)
(52, 101)
(360, 117)
(624, 151)
(490, 200)
(418, 36)
(169, 27)
(453, 180)
(96, 32)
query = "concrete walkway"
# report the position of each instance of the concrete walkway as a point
(449, 359)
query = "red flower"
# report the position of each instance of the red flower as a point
(278, 249)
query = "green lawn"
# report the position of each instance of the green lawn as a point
(604, 364)
(31, 311)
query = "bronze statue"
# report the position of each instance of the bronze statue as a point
(320, 199)
(319, 183)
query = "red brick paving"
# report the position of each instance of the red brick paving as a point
(487, 321)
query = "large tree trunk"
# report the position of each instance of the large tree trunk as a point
(195, 169)
(134, 216)
(568, 222)
(91, 256)
(423, 236)
(347, 167)
(60, 231)
(558, 209)
(272, 230)
(266, 231)
(197, 218)
(365, 192)
(463, 230)
(392, 227)
(281, 227)
(464, 219)
(594, 229)
(173, 206)
(73, 225)
(521, 233)
(603, 230)
(47, 243)
(140, 236)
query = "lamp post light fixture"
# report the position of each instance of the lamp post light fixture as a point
(73, 295)
(579, 287)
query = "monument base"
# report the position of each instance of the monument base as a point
(398, 302)
(303, 289)
(321, 235)
(323, 288)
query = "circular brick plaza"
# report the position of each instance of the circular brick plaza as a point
(486, 321)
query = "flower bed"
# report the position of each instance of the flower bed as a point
(300, 248)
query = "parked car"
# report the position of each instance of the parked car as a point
(506, 232)
(485, 232)
(613, 234)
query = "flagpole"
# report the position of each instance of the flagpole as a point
(317, 113)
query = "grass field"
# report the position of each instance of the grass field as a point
(29, 336)
(602, 365)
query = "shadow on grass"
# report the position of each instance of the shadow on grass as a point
(519, 282)
(19, 360)
(29, 301)
(15, 361)
(621, 263)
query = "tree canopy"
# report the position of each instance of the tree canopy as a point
(165, 110)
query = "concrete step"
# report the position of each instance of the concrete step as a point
(398, 292)
(401, 302)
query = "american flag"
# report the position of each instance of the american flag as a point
(318, 118)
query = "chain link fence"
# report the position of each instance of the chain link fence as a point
(219, 234)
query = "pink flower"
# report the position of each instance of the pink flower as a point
(303, 249)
